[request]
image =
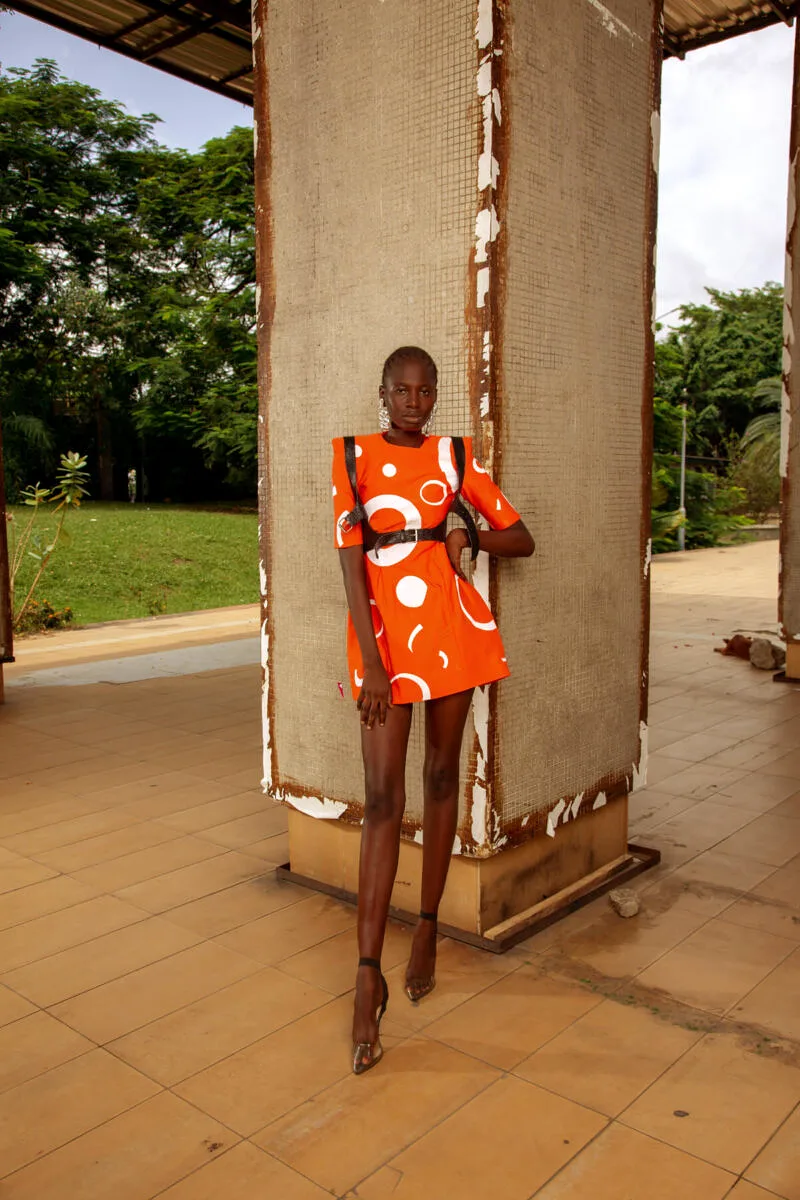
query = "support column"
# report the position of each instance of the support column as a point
(477, 177)
(789, 601)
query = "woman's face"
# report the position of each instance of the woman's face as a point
(409, 394)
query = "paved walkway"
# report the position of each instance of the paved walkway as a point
(126, 651)
(174, 1021)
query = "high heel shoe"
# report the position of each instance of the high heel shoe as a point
(369, 1054)
(418, 989)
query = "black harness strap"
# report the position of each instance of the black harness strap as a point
(438, 533)
(357, 514)
(458, 506)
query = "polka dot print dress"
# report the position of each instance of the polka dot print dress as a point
(435, 633)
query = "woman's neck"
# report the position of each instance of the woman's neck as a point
(400, 437)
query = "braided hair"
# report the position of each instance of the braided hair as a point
(403, 352)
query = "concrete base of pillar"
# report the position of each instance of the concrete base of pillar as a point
(493, 901)
(792, 669)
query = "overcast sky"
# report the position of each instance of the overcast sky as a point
(724, 144)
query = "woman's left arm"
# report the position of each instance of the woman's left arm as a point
(513, 542)
(508, 536)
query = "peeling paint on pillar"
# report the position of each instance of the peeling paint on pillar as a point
(303, 799)
(639, 770)
(611, 23)
(265, 308)
(484, 314)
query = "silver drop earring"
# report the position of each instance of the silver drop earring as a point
(384, 421)
(428, 426)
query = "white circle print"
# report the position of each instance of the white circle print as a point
(488, 625)
(411, 591)
(445, 455)
(389, 556)
(421, 683)
(433, 483)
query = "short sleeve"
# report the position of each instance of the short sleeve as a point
(484, 494)
(343, 501)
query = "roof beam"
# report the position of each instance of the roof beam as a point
(224, 10)
(247, 70)
(673, 47)
(241, 37)
(780, 11)
(193, 28)
(146, 20)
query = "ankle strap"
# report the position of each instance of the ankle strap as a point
(428, 916)
(370, 962)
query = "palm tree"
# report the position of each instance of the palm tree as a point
(762, 438)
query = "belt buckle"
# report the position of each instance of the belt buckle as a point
(416, 535)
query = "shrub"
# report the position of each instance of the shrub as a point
(40, 615)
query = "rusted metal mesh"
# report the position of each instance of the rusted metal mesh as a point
(374, 135)
(574, 363)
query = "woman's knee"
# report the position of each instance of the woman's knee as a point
(441, 780)
(383, 801)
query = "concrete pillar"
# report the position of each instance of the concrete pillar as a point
(477, 177)
(789, 603)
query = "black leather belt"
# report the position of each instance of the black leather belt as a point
(377, 541)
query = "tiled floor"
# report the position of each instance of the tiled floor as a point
(174, 1021)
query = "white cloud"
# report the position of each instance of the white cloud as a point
(724, 164)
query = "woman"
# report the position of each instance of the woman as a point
(417, 630)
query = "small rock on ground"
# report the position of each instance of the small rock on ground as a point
(765, 655)
(624, 901)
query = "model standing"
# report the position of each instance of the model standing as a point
(417, 631)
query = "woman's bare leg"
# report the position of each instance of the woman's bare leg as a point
(444, 729)
(384, 752)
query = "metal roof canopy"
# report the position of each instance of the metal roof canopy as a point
(208, 42)
(690, 24)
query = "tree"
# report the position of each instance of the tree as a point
(204, 388)
(756, 466)
(69, 162)
(713, 363)
(127, 294)
(715, 359)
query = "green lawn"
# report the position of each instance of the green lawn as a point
(121, 560)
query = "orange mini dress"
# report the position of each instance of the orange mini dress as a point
(435, 633)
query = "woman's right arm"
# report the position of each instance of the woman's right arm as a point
(376, 691)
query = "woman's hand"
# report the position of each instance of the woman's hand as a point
(455, 543)
(375, 699)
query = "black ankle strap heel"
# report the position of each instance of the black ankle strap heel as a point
(417, 989)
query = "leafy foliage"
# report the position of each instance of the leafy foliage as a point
(715, 360)
(127, 271)
(756, 465)
(40, 615)
(717, 364)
